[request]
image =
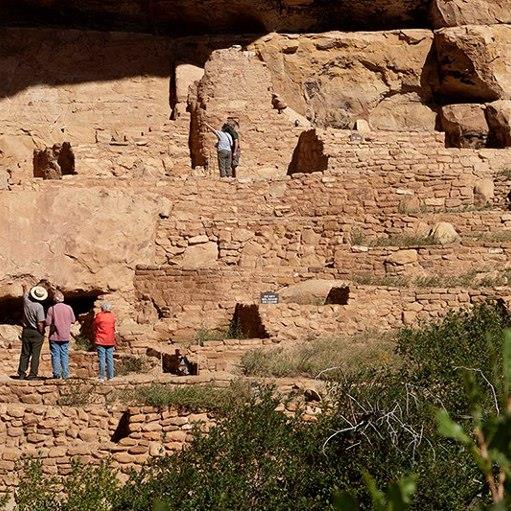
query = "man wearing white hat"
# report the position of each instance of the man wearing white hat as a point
(32, 336)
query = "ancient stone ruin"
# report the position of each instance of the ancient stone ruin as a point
(373, 191)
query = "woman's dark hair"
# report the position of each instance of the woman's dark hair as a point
(226, 127)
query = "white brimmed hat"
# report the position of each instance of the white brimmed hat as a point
(39, 293)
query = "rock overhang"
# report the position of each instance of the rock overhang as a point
(193, 17)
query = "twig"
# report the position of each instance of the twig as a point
(492, 388)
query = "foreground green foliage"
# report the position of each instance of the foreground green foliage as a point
(397, 497)
(84, 489)
(488, 439)
(380, 421)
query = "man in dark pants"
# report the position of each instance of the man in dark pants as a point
(32, 336)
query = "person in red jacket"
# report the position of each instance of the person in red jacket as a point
(104, 338)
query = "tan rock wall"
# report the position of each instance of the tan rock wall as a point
(384, 308)
(311, 241)
(192, 300)
(475, 62)
(336, 78)
(79, 241)
(449, 13)
(57, 436)
(237, 84)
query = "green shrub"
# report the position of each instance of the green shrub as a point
(256, 459)
(379, 420)
(129, 365)
(436, 354)
(83, 343)
(209, 334)
(84, 489)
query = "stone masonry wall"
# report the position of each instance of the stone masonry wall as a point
(309, 241)
(81, 364)
(385, 308)
(127, 437)
(193, 299)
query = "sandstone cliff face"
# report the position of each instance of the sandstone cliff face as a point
(336, 78)
(451, 13)
(88, 239)
(475, 62)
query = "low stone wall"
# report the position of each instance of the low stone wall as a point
(91, 392)
(379, 308)
(82, 364)
(302, 241)
(435, 260)
(224, 355)
(127, 437)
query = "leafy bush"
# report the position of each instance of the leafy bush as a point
(84, 489)
(436, 354)
(257, 458)
(84, 343)
(380, 421)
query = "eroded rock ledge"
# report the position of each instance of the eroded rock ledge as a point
(184, 17)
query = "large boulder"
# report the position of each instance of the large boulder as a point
(336, 78)
(403, 257)
(465, 125)
(451, 13)
(77, 238)
(475, 62)
(484, 191)
(498, 115)
(403, 112)
(444, 233)
(10, 335)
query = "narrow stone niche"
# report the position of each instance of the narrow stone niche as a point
(247, 324)
(123, 428)
(309, 155)
(54, 162)
(338, 296)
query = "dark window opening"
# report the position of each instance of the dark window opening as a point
(54, 162)
(309, 155)
(82, 303)
(247, 324)
(123, 428)
(170, 364)
(11, 310)
(338, 296)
